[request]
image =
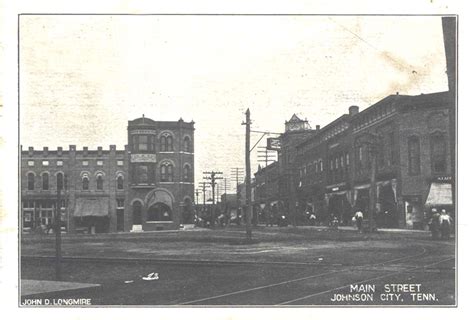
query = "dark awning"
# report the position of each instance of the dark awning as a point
(440, 194)
(98, 207)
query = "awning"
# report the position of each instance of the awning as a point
(440, 194)
(97, 207)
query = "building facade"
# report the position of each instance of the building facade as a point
(409, 139)
(146, 186)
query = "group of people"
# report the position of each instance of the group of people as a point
(440, 224)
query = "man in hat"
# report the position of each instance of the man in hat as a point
(434, 224)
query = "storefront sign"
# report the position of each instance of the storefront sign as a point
(143, 158)
(443, 179)
(273, 144)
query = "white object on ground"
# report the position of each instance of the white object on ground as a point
(151, 276)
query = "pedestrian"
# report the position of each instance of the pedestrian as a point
(434, 224)
(445, 224)
(359, 216)
(312, 219)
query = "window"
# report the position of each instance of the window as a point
(45, 178)
(166, 172)
(321, 167)
(59, 163)
(166, 142)
(142, 143)
(85, 183)
(45, 163)
(120, 203)
(187, 144)
(141, 174)
(60, 181)
(438, 153)
(100, 182)
(85, 163)
(187, 173)
(120, 163)
(31, 181)
(100, 162)
(31, 163)
(414, 155)
(347, 159)
(120, 183)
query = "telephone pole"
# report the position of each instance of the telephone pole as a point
(248, 179)
(213, 176)
(197, 192)
(57, 224)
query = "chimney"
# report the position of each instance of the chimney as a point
(318, 127)
(112, 147)
(353, 110)
(31, 151)
(45, 151)
(84, 151)
(60, 151)
(99, 151)
(72, 147)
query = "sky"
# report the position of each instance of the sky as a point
(83, 77)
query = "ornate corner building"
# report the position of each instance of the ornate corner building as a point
(147, 186)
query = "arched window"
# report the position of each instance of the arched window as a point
(169, 143)
(438, 153)
(163, 143)
(60, 181)
(414, 155)
(31, 181)
(187, 144)
(166, 142)
(45, 178)
(85, 183)
(187, 173)
(166, 172)
(120, 183)
(100, 182)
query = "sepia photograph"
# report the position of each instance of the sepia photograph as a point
(237, 160)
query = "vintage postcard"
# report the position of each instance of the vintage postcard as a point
(237, 160)
(192, 160)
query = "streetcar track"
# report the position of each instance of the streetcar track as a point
(361, 282)
(424, 251)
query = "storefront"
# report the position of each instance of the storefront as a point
(440, 196)
(92, 214)
(338, 201)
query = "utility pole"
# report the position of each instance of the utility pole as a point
(197, 196)
(373, 192)
(213, 177)
(248, 180)
(203, 186)
(57, 224)
(373, 143)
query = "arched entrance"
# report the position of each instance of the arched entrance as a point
(159, 211)
(159, 204)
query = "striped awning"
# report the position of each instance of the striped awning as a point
(440, 194)
(98, 207)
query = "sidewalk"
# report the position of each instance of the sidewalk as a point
(45, 288)
(351, 228)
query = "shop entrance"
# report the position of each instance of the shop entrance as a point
(387, 216)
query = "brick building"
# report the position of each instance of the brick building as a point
(146, 186)
(410, 137)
